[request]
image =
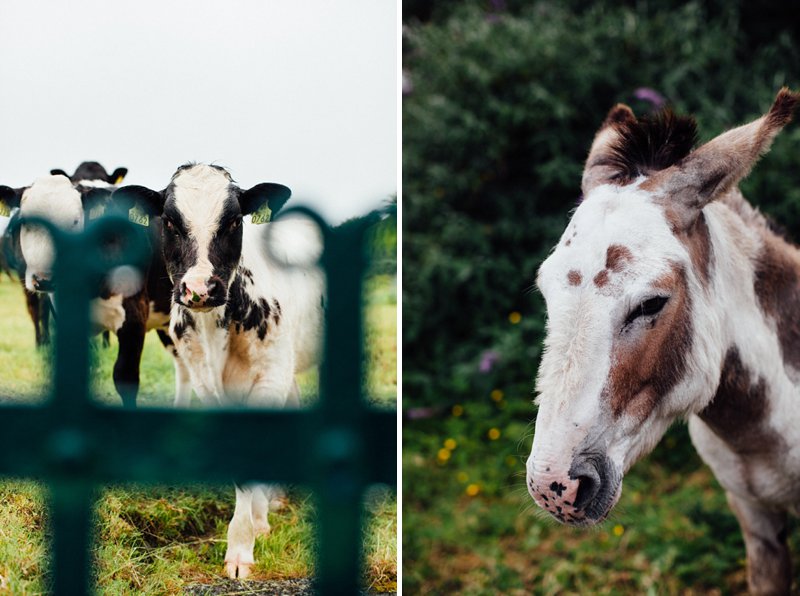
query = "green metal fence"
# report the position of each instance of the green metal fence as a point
(337, 447)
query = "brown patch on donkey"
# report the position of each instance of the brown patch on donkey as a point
(648, 367)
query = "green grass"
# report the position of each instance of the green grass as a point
(155, 540)
(475, 530)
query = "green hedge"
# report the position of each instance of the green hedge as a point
(502, 103)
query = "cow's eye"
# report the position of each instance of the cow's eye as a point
(169, 225)
(74, 222)
(235, 223)
(649, 308)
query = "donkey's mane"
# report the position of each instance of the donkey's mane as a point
(649, 144)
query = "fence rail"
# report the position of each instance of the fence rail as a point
(337, 447)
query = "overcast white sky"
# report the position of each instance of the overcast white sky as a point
(301, 92)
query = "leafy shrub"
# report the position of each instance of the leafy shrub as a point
(503, 103)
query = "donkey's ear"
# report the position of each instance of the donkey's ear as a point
(598, 169)
(714, 168)
(151, 201)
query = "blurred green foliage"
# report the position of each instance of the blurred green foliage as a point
(381, 239)
(501, 101)
(499, 118)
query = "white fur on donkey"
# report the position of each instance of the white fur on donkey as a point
(668, 296)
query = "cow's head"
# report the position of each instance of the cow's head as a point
(92, 171)
(57, 200)
(202, 211)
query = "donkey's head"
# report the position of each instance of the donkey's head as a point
(632, 333)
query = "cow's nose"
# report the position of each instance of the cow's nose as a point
(194, 292)
(200, 292)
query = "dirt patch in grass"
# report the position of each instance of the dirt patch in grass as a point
(286, 587)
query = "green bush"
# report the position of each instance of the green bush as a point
(504, 101)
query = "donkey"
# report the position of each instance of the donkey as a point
(668, 296)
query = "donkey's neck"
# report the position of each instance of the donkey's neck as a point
(757, 279)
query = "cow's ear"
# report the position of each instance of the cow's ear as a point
(11, 197)
(271, 194)
(94, 199)
(151, 201)
(58, 172)
(118, 176)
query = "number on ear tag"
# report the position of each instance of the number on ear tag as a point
(5, 209)
(97, 211)
(262, 216)
(138, 216)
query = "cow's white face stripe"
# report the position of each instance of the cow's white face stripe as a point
(200, 193)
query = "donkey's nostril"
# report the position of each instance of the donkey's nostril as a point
(588, 487)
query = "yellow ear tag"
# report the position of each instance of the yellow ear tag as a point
(97, 211)
(138, 216)
(262, 216)
(5, 209)
(118, 180)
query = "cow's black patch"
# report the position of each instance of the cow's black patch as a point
(225, 249)
(246, 273)
(180, 251)
(277, 314)
(185, 321)
(244, 312)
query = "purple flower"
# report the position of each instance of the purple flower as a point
(497, 6)
(421, 413)
(650, 95)
(488, 359)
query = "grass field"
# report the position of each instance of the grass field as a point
(475, 530)
(155, 540)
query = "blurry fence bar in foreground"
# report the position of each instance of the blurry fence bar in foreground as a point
(337, 447)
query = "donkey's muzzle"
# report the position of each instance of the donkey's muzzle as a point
(584, 495)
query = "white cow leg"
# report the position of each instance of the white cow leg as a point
(261, 509)
(769, 567)
(241, 536)
(273, 391)
(293, 400)
(183, 385)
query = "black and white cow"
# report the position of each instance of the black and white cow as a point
(130, 315)
(91, 171)
(242, 323)
(11, 260)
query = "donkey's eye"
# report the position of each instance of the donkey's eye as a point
(648, 308)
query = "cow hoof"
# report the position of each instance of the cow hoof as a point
(278, 503)
(261, 528)
(237, 570)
